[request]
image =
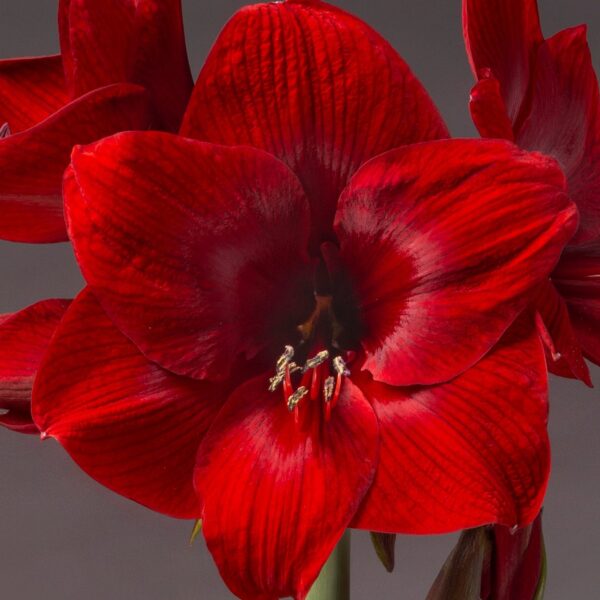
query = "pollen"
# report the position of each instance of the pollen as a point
(294, 399)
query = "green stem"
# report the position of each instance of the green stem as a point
(333, 582)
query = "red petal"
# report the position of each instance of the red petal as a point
(126, 40)
(488, 109)
(24, 337)
(314, 86)
(577, 279)
(32, 162)
(564, 120)
(564, 350)
(31, 89)
(129, 424)
(503, 36)
(211, 267)
(443, 242)
(465, 453)
(278, 496)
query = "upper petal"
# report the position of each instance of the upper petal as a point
(503, 36)
(127, 40)
(197, 251)
(32, 162)
(31, 89)
(314, 86)
(564, 121)
(443, 241)
(129, 424)
(465, 453)
(24, 338)
(278, 495)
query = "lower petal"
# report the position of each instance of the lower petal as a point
(129, 424)
(465, 453)
(24, 338)
(277, 495)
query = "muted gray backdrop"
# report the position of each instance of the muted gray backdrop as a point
(64, 537)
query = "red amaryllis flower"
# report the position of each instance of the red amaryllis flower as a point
(285, 341)
(123, 65)
(543, 94)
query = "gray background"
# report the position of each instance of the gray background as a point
(64, 537)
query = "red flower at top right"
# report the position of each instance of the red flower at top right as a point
(543, 95)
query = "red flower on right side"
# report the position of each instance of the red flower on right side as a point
(543, 95)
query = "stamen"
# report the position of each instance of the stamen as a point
(316, 360)
(283, 363)
(293, 367)
(4, 131)
(340, 366)
(295, 398)
(4, 411)
(284, 359)
(276, 381)
(328, 387)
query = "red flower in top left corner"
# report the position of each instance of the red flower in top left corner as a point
(123, 66)
(291, 327)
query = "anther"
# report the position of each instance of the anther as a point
(4, 131)
(316, 360)
(276, 381)
(284, 359)
(4, 411)
(328, 387)
(295, 398)
(340, 366)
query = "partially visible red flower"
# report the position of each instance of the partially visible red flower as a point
(316, 329)
(494, 563)
(123, 66)
(543, 94)
(24, 338)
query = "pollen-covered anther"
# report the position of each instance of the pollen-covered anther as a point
(316, 360)
(284, 362)
(294, 399)
(328, 387)
(340, 366)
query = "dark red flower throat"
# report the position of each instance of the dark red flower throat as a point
(313, 368)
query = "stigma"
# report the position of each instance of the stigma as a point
(320, 378)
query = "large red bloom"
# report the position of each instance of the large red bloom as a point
(314, 328)
(543, 94)
(123, 66)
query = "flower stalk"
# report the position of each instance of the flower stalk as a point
(333, 582)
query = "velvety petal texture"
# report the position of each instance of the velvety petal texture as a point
(465, 453)
(278, 495)
(128, 423)
(31, 89)
(197, 251)
(32, 162)
(24, 338)
(136, 41)
(443, 242)
(314, 86)
(108, 41)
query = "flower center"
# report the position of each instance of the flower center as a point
(321, 375)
